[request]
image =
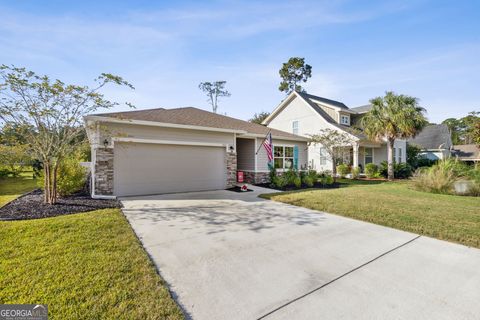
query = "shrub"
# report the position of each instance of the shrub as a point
(435, 179)
(371, 170)
(343, 169)
(71, 177)
(308, 181)
(290, 176)
(280, 182)
(297, 181)
(313, 175)
(355, 173)
(400, 170)
(329, 180)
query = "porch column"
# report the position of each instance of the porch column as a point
(355, 155)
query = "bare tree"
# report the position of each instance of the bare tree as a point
(336, 144)
(214, 90)
(53, 113)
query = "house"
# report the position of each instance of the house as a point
(435, 142)
(469, 153)
(305, 114)
(179, 150)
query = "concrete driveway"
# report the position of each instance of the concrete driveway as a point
(229, 255)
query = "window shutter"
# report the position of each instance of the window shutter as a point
(295, 157)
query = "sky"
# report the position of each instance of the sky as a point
(357, 49)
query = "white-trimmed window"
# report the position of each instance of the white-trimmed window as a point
(282, 157)
(399, 155)
(368, 153)
(394, 154)
(345, 119)
(295, 127)
(323, 156)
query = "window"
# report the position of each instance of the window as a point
(323, 156)
(282, 157)
(368, 155)
(399, 155)
(394, 154)
(295, 127)
(345, 119)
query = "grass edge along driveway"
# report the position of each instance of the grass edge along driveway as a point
(84, 266)
(396, 205)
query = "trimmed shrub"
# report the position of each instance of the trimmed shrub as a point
(355, 173)
(371, 170)
(343, 169)
(71, 177)
(297, 181)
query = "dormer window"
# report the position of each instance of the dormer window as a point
(344, 119)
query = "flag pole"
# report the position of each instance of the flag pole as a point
(256, 153)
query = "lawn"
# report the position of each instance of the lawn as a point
(11, 188)
(84, 266)
(396, 205)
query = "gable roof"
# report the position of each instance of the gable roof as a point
(466, 152)
(326, 101)
(310, 100)
(190, 116)
(433, 137)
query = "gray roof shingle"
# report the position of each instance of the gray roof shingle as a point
(362, 109)
(196, 117)
(435, 136)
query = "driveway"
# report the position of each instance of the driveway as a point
(228, 255)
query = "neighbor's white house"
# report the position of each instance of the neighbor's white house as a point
(305, 114)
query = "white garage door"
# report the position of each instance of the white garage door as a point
(143, 168)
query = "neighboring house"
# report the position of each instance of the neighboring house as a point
(179, 150)
(435, 142)
(306, 114)
(466, 152)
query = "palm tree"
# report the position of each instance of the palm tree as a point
(393, 117)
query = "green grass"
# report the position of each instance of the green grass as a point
(84, 266)
(396, 205)
(11, 188)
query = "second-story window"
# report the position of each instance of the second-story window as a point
(345, 120)
(295, 127)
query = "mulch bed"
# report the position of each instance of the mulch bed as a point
(31, 206)
(290, 188)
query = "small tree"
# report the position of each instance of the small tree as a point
(476, 133)
(292, 73)
(259, 117)
(214, 90)
(53, 111)
(336, 144)
(393, 117)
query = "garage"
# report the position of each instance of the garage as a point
(148, 168)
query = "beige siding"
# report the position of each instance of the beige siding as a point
(332, 113)
(160, 133)
(262, 159)
(246, 154)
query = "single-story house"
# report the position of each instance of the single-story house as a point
(160, 150)
(466, 152)
(435, 142)
(306, 114)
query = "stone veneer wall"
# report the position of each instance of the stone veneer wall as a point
(256, 177)
(104, 171)
(231, 162)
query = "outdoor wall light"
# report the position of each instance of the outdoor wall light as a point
(231, 148)
(105, 143)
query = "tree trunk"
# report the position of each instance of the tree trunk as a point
(390, 144)
(334, 170)
(50, 182)
(46, 181)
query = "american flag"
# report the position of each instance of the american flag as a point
(267, 144)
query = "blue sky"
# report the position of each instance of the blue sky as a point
(358, 49)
